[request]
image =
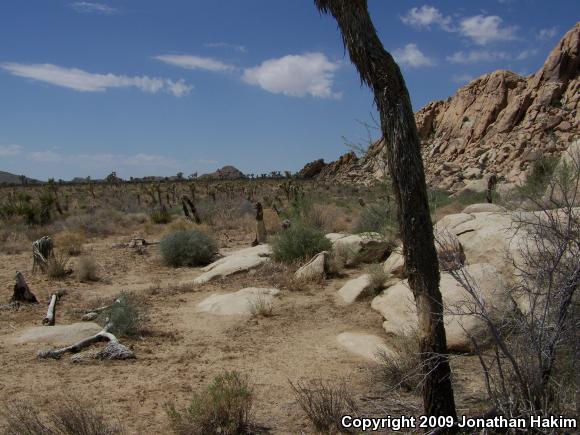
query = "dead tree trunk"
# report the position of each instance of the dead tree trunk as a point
(22, 292)
(50, 317)
(41, 252)
(261, 235)
(192, 212)
(379, 71)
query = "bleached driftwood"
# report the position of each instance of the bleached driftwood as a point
(50, 317)
(113, 350)
(22, 292)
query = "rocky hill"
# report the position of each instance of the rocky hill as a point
(225, 173)
(500, 123)
(8, 178)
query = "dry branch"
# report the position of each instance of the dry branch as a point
(50, 317)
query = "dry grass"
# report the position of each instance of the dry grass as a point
(70, 417)
(224, 407)
(402, 369)
(261, 307)
(56, 267)
(378, 277)
(70, 242)
(325, 403)
(87, 269)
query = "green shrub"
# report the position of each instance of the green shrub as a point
(188, 248)
(299, 242)
(377, 218)
(160, 216)
(224, 408)
(124, 315)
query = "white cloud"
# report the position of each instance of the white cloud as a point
(425, 17)
(195, 62)
(483, 29)
(238, 48)
(83, 81)
(45, 156)
(93, 8)
(295, 75)
(10, 150)
(547, 34)
(527, 54)
(477, 56)
(462, 78)
(411, 56)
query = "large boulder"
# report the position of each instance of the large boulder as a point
(367, 346)
(361, 248)
(397, 306)
(58, 335)
(354, 289)
(241, 302)
(484, 207)
(236, 262)
(315, 269)
(486, 238)
(395, 264)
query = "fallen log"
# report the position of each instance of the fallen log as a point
(50, 317)
(113, 350)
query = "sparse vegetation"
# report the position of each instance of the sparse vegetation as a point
(324, 403)
(377, 278)
(224, 407)
(56, 266)
(71, 242)
(87, 269)
(299, 242)
(378, 218)
(402, 369)
(188, 248)
(71, 417)
(125, 315)
(261, 307)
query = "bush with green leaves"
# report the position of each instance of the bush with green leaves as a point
(188, 248)
(224, 408)
(299, 242)
(160, 216)
(379, 218)
(124, 316)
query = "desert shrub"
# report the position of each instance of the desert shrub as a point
(125, 316)
(69, 418)
(87, 269)
(224, 407)
(378, 218)
(377, 278)
(325, 403)
(56, 266)
(187, 248)
(402, 369)
(71, 242)
(540, 174)
(225, 213)
(261, 307)
(160, 216)
(299, 242)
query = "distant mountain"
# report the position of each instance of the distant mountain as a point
(225, 173)
(8, 178)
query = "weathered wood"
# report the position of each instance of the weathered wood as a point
(50, 317)
(22, 292)
(113, 350)
(41, 252)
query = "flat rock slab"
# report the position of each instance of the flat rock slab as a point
(353, 289)
(367, 346)
(58, 335)
(236, 262)
(238, 303)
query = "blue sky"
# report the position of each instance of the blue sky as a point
(152, 87)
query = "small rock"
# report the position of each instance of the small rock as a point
(315, 269)
(238, 303)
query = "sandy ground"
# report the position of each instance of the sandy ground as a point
(184, 349)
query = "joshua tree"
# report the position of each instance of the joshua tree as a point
(380, 72)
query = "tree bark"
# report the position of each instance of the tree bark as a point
(22, 292)
(380, 72)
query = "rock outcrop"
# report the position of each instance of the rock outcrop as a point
(311, 170)
(499, 123)
(225, 173)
